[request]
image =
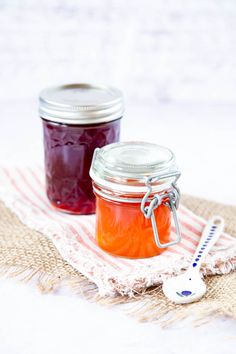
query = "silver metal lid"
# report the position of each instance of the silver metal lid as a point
(81, 104)
(127, 166)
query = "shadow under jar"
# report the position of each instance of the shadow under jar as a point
(76, 119)
(136, 196)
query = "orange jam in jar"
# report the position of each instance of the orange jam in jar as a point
(136, 193)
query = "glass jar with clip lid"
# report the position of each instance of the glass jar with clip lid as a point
(136, 195)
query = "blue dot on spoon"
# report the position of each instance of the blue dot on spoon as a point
(186, 292)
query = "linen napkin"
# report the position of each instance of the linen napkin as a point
(22, 189)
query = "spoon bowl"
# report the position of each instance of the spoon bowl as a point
(189, 287)
(184, 288)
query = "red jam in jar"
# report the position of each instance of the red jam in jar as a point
(135, 187)
(77, 119)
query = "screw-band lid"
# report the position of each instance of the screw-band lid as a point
(81, 104)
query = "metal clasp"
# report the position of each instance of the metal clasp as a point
(170, 199)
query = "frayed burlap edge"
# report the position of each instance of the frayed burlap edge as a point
(29, 256)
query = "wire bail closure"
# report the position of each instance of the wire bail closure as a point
(170, 199)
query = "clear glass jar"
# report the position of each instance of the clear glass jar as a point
(76, 120)
(135, 188)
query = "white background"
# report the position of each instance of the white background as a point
(175, 62)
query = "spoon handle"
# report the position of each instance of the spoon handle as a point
(210, 235)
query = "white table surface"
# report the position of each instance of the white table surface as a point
(203, 138)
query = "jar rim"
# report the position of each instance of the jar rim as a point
(120, 167)
(81, 103)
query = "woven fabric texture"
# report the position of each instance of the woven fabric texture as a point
(23, 191)
(28, 254)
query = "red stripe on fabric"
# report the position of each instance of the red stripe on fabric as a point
(36, 178)
(196, 242)
(65, 217)
(84, 228)
(14, 184)
(185, 224)
(27, 183)
(191, 228)
(199, 233)
(131, 260)
(23, 194)
(172, 250)
(192, 216)
(90, 236)
(142, 261)
(126, 262)
(182, 210)
(177, 249)
(201, 223)
(187, 237)
(106, 258)
(190, 250)
(44, 212)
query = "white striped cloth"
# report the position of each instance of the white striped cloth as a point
(23, 191)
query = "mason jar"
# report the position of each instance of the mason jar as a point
(76, 119)
(136, 196)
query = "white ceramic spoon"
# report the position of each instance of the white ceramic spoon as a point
(189, 287)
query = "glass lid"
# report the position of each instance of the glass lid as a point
(131, 164)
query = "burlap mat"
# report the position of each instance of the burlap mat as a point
(28, 254)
